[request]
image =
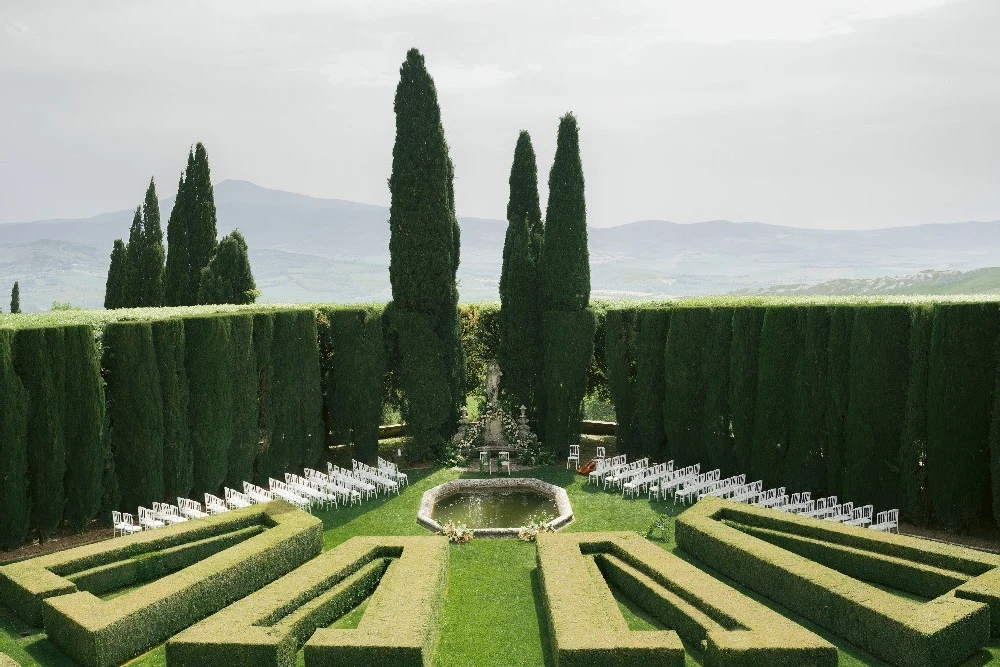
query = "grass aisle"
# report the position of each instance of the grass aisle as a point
(492, 614)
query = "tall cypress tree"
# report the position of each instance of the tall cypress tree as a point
(565, 294)
(520, 316)
(114, 290)
(424, 256)
(151, 269)
(83, 427)
(132, 294)
(175, 275)
(201, 229)
(15, 491)
(15, 299)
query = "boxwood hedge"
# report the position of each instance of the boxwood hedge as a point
(270, 626)
(826, 571)
(202, 566)
(587, 628)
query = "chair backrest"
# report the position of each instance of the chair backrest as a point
(795, 499)
(894, 517)
(483, 456)
(600, 452)
(128, 519)
(116, 517)
(847, 508)
(574, 450)
(505, 456)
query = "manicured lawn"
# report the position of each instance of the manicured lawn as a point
(494, 614)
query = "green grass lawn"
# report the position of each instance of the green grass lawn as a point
(494, 614)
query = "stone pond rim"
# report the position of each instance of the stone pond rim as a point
(556, 493)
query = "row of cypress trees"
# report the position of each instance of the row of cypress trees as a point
(547, 328)
(895, 405)
(194, 268)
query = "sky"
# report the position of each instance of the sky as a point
(836, 114)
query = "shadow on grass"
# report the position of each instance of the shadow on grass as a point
(543, 618)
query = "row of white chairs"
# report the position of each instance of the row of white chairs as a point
(392, 470)
(381, 480)
(574, 456)
(690, 484)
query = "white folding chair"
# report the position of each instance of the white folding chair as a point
(214, 504)
(147, 521)
(504, 462)
(600, 455)
(886, 521)
(574, 456)
(861, 516)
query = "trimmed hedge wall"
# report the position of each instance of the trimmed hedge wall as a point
(270, 626)
(587, 628)
(15, 498)
(568, 340)
(84, 427)
(209, 363)
(100, 633)
(178, 457)
(354, 368)
(813, 568)
(246, 416)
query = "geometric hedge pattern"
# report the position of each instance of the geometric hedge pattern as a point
(403, 576)
(171, 577)
(836, 576)
(588, 629)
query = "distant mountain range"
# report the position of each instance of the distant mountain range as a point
(305, 249)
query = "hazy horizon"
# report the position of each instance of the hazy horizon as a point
(833, 114)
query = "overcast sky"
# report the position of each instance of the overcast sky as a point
(811, 113)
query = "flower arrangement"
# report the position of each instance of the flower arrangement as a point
(536, 524)
(459, 534)
(518, 437)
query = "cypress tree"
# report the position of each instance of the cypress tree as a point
(84, 427)
(565, 293)
(424, 255)
(209, 361)
(150, 261)
(201, 227)
(914, 503)
(135, 412)
(15, 496)
(246, 433)
(775, 381)
(15, 299)
(114, 291)
(804, 465)
(39, 360)
(747, 322)
(838, 355)
(519, 360)
(178, 458)
(175, 275)
(132, 295)
(565, 265)
(228, 278)
(620, 359)
(960, 384)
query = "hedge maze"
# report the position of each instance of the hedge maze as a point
(837, 575)
(588, 629)
(171, 578)
(403, 576)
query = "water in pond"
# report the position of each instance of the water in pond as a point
(494, 509)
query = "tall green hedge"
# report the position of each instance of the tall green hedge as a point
(15, 498)
(39, 360)
(747, 323)
(569, 348)
(84, 427)
(878, 379)
(634, 343)
(684, 388)
(178, 458)
(295, 401)
(804, 461)
(959, 399)
(263, 342)
(246, 416)
(208, 345)
(914, 503)
(720, 450)
(353, 377)
(838, 356)
(135, 412)
(775, 379)
(423, 371)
